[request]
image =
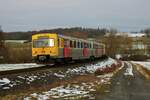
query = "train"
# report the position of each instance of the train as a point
(54, 48)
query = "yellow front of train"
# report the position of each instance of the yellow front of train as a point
(44, 47)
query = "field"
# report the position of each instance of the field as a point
(18, 52)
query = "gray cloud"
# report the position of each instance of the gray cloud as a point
(24, 15)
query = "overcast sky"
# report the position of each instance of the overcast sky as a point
(25, 15)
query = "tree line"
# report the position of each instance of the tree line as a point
(146, 31)
(75, 31)
(127, 46)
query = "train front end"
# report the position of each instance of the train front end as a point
(44, 48)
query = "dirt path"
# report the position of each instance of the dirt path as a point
(127, 87)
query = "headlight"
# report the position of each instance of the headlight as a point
(35, 52)
(42, 58)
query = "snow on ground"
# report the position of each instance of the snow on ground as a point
(69, 92)
(79, 90)
(83, 69)
(107, 77)
(92, 68)
(3, 82)
(5, 67)
(144, 64)
(8, 83)
(109, 62)
(60, 74)
(129, 69)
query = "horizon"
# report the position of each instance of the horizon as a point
(118, 31)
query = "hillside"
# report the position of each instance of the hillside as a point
(76, 32)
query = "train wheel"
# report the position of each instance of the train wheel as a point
(67, 60)
(92, 58)
(59, 61)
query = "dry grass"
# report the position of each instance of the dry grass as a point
(75, 80)
(100, 88)
(19, 53)
(145, 72)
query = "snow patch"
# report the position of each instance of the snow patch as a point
(69, 92)
(59, 75)
(129, 69)
(92, 68)
(7, 67)
(28, 78)
(4, 81)
(144, 64)
(31, 78)
(27, 98)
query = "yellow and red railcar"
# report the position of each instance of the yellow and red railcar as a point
(52, 47)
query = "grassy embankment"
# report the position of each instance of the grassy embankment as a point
(144, 71)
(18, 52)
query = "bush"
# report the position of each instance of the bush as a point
(99, 71)
(107, 69)
(136, 57)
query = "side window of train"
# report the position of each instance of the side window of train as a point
(74, 44)
(89, 45)
(66, 43)
(94, 46)
(59, 42)
(81, 44)
(62, 42)
(85, 45)
(78, 44)
(71, 44)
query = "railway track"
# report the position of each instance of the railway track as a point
(44, 67)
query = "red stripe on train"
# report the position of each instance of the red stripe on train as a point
(66, 52)
(85, 52)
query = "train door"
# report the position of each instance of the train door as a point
(66, 48)
(85, 50)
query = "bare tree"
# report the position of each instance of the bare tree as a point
(147, 32)
(1, 38)
(117, 44)
(110, 42)
(2, 46)
(113, 31)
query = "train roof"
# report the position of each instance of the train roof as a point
(79, 39)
